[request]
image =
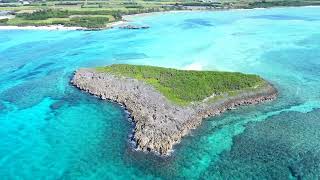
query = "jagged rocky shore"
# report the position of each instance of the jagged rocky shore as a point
(159, 124)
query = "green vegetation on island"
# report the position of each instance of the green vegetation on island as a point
(97, 14)
(186, 86)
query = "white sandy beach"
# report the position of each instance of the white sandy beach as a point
(116, 24)
(52, 27)
(132, 16)
(57, 27)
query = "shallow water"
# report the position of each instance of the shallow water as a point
(50, 130)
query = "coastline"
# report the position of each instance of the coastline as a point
(51, 27)
(128, 18)
(160, 124)
(132, 16)
(61, 27)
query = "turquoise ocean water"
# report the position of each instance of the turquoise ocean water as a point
(50, 130)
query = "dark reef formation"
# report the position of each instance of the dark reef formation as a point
(134, 27)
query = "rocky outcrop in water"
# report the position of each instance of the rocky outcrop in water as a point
(134, 27)
(159, 124)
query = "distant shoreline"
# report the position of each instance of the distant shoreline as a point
(51, 27)
(131, 16)
(59, 27)
(128, 18)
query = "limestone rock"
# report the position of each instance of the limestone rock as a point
(159, 124)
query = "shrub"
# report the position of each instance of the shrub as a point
(44, 14)
(88, 22)
(182, 86)
(4, 21)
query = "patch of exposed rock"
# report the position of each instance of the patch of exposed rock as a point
(159, 124)
(134, 27)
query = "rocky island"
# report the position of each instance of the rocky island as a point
(165, 104)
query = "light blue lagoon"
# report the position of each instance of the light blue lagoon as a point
(51, 130)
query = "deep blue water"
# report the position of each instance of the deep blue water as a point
(50, 130)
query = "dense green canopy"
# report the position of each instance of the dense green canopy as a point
(184, 86)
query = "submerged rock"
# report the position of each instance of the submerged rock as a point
(134, 27)
(159, 124)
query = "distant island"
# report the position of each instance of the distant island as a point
(165, 104)
(97, 15)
